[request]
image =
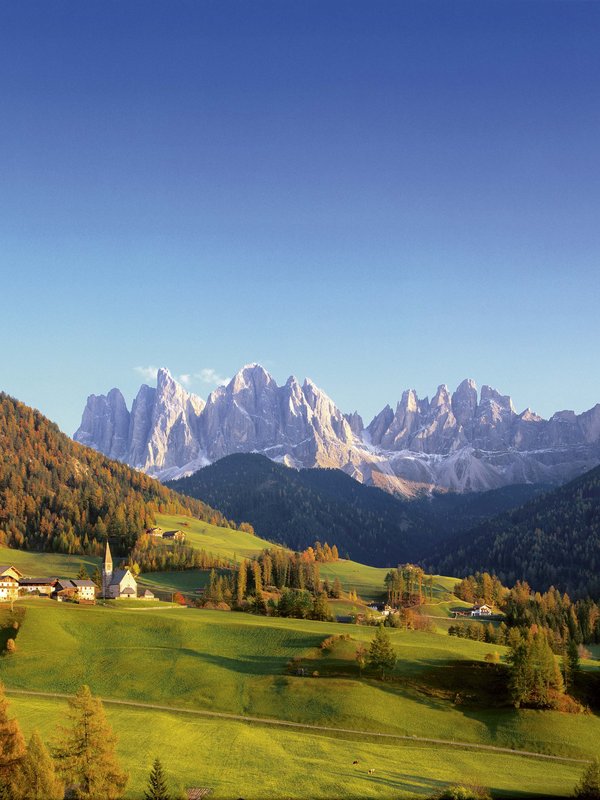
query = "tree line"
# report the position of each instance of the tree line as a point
(57, 495)
(553, 611)
(408, 586)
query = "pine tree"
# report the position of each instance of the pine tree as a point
(381, 652)
(589, 786)
(97, 578)
(83, 574)
(320, 608)
(157, 784)
(87, 755)
(12, 747)
(573, 656)
(337, 588)
(40, 781)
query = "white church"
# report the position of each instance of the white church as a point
(116, 582)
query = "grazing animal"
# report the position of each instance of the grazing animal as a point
(371, 771)
(355, 762)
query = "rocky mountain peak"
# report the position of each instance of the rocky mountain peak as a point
(453, 442)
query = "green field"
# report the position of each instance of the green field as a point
(257, 762)
(51, 565)
(193, 660)
(238, 664)
(224, 542)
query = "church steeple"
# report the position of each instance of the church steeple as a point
(107, 571)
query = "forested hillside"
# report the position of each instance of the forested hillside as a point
(553, 540)
(58, 495)
(297, 507)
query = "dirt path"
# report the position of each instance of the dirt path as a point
(305, 726)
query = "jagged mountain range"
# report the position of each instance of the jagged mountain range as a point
(464, 441)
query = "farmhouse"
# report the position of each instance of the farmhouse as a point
(481, 611)
(116, 582)
(9, 582)
(39, 585)
(174, 536)
(67, 589)
(147, 595)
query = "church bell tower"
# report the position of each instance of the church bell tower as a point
(107, 571)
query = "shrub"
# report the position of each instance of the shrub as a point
(492, 658)
(460, 791)
(589, 786)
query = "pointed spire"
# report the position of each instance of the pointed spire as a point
(108, 563)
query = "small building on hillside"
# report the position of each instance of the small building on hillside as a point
(481, 611)
(85, 590)
(37, 585)
(81, 591)
(9, 582)
(116, 582)
(156, 531)
(174, 536)
(147, 595)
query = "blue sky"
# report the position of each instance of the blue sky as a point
(379, 195)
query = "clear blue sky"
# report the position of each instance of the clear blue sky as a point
(375, 194)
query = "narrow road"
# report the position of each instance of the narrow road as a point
(305, 726)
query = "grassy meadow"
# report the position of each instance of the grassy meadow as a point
(240, 664)
(224, 662)
(256, 762)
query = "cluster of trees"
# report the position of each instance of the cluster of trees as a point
(408, 585)
(150, 556)
(293, 577)
(480, 633)
(323, 553)
(481, 588)
(553, 540)
(83, 758)
(301, 604)
(563, 619)
(552, 611)
(535, 676)
(283, 570)
(58, 495)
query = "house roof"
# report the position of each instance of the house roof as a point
(118, 576)
(36, 581)
(129, 590)
(64, 583)
(82, 584)
(147, 593)
(5, 568)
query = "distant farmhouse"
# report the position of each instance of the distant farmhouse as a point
(116, 582)
(38, 585)
(173, 536)
(481, 611)
(67, 589)
(9, 582)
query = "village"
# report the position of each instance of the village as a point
(116, 584)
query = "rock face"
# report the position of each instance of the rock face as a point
(462, 441)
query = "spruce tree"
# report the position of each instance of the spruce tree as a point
(12, 748)
(381, 652)
(241, 584)
(86, 754)
(97, 578)
(40, 781)
(157, 784)
(83, 574)
(589, 786)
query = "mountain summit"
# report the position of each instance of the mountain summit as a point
(462, 441)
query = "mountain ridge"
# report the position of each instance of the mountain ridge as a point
(462, 441)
